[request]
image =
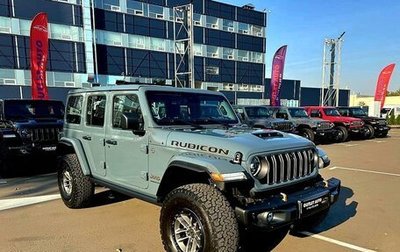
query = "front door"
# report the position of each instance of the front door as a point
(93, 136)
(126, 153)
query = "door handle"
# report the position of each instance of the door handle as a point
(88, 138)
(112, 142)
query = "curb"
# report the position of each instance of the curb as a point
(395, 126)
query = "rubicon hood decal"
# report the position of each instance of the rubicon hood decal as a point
(204, 148)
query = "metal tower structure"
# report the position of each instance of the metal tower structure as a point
(331, 64)
(183, 46)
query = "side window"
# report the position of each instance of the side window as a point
(343, 112)
(74, 110)
(124, 104)
(95, 110)
(281, 114)
(314, 113)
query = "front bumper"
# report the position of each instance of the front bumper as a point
(328, 134)
(357, 131)
(32, 149)
(282, 210)
(381, 128)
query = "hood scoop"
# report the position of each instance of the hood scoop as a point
(267, 134)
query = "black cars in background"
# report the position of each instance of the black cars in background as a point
(28, 128)
(374, 126)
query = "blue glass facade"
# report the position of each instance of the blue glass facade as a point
(109, 40)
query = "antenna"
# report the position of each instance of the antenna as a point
(331, 65)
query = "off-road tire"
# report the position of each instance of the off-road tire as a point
(219, 228)
(371, 131)
(81, 188)
(344, 132)
(310, 222)
(307, 133)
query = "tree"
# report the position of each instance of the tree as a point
(398, 120)
(392, 119)
(393, 93)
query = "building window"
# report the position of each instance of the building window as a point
(112, 5)
(156, 11)
(136, 8)
(95, 110)
(7, 52)
(5, 8)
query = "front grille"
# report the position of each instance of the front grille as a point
(324, 125)
(289, 166)
(357, 123)
(283, 126)
(382, 122)
(44, 135)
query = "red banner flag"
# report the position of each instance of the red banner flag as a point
(39, 53)
(383, 83)
(278, 64)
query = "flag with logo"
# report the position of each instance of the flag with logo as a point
(278, 64)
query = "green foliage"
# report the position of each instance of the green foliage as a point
(398, 120)
(393, 93)
(392, 119)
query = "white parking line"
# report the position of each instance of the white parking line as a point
(348, 145)
(361, 170)
(340, 243)
(14, 203)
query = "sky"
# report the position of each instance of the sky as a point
(371, 41)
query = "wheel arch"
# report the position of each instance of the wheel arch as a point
(69, 146)
(181, 173)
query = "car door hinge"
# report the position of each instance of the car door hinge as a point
(104, 142)
(105, 165)
(144, 175)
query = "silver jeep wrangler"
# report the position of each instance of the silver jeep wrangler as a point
(185, 149)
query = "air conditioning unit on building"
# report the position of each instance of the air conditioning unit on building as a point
(245, 59)
(66, 36)
(198, 53)
(138, 12)
(179, 19)
(5, 29)
(230, 57)
(160, 16)
(259, 34)
(231, 29)
(140, 46)
(245, 32)
(244, 87)
(115, 8)
(214, 55)
(117, 43)
(69, 83)
(215, 26)
(9, 81)
(160, 48)
(197, 23)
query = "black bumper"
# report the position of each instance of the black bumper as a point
(381, 128)
(328, 134)
(357, 131)
(282, 210)
(32, 149)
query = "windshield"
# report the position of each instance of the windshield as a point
(181, 108)
(331, 112)
(298, 112)
(259, 112)
(33, 109)
(358, 112)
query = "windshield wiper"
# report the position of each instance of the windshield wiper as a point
(213, 121)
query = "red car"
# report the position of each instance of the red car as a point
(343, 124)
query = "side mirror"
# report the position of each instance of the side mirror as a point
(131, 121)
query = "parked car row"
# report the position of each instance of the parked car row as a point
(316, 123)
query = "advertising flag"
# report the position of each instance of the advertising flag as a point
(278, 64)
(383, 83)
(39, 54)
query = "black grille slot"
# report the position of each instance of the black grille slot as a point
(283, 126)
(324, 126)
(289, 166)
(44, 135)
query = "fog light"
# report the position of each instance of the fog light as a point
(266, 217)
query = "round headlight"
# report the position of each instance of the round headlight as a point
(258, 167)
(320, 163)
(315, 159)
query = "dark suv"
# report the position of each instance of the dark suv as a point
(374, 126)
(27, 128)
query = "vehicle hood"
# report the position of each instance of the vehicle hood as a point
(39, 123)
(371, 118)
(341, 118)
(304, 120)
(226, 142)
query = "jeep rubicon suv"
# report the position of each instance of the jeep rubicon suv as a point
(261, 117)
(374, 126)
(305, 126)
(211, 175)
(27, 128)
(343, 124)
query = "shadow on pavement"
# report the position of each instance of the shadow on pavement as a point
(107, 197)
(340, 212)
(30, 166)
(261, 241)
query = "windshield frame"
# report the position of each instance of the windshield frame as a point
(168, 108)
(331, 110)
